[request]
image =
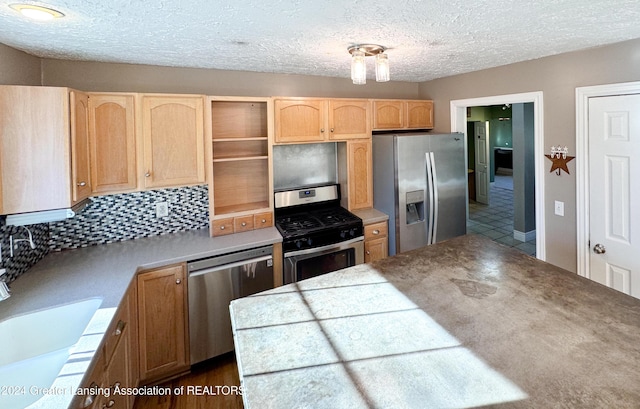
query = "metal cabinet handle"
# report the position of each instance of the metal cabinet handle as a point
(81, 184)
(376, 231)
(147, 174)
(331, 129)
(110, 404)
(116, 385)
(178, 281)
(322, 130)
(244, 224)
(599, 249)
(221, 227)
(119, 328)
(264, 220)
(368, 253)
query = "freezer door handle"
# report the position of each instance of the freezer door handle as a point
(432, 193)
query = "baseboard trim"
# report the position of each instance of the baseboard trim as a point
(522, 236)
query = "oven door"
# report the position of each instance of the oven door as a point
(303, 264)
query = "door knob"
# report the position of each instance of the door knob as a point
(599, 249)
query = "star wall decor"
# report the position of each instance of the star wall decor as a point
(560, 159)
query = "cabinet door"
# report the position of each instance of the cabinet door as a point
(162, 322)
(173, 138)
(118, 373)
(360, 176)
(420, 114)
(349, 119)
(80, 169)
(388, 114)
(34, 148)
(300, 120)
(113, 142)
(93, 381)
(375, 249)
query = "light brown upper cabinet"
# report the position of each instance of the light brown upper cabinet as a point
(41, 131)
(80, 169)
(112, 136)
(355, 173)
(173, 140)
(360, 177)
(389, 114)
(300, 120)
(349, 119)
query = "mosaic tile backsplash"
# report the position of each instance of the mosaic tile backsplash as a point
(108, 219)
(23, 255)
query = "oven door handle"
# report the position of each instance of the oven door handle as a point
(336, 246)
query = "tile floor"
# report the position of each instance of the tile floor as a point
(496, 220)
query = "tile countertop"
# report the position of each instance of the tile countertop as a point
(462, 323)
(105, 272)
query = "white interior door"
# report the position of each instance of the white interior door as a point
(614, 191)
(482, 162)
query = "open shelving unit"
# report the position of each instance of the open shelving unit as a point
(240, 153)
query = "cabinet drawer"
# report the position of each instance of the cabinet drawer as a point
(222, 227)
(262, 220)
(375, 230)
(243, 223)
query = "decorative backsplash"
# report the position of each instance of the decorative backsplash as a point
(23, 255)
(108, 219)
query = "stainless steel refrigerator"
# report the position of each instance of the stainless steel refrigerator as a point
(420, 181)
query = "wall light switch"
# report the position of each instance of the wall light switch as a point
(559, 206)
(162, 209)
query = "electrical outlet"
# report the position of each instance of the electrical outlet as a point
(162, 209)
(559, 206)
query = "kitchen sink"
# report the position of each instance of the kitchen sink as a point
(36, 346)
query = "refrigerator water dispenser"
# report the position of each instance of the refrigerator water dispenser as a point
(415, 206)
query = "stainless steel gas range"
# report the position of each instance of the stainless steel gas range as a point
(319, 236)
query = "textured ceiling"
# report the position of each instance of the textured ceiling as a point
(426, 39)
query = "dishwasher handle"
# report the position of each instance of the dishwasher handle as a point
(230, 265)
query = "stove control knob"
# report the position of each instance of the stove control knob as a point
(298, 243)
(352, 232)
(309, 241)
(343, 234)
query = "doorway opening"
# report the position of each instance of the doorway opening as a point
(515, 222)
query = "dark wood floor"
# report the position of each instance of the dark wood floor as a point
(219, 372)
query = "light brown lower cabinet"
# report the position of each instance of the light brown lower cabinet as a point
(376, 241)
(162, 323)
(115, 368)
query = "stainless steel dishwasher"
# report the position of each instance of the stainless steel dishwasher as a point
(213, 283)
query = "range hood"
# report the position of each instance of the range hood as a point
(45, 216)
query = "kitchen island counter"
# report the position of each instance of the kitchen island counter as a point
(462, 323)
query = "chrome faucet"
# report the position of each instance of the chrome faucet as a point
(4, 288)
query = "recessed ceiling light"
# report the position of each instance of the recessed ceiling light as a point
(36, 12)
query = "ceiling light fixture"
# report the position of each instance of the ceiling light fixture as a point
(36, 12)
(359, 66)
